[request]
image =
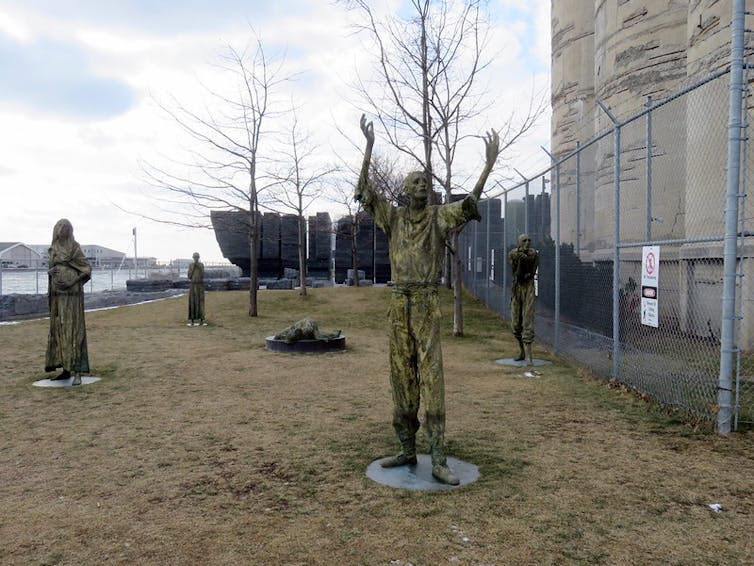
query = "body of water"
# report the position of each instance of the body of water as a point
(29, 281)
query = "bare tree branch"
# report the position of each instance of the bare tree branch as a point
(227, 165)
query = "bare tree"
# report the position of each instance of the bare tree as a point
(224, 168)
(298, 183)
(453, 106)
(428, 66)
(350, 223)
(387, 180)
(406, 68)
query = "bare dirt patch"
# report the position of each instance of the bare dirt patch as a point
(201, 447)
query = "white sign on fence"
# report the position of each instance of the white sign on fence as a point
(650, 278)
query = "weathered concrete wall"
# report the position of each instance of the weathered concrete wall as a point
(572, 73)
(642, 48)
(572, 85)
(639, 52)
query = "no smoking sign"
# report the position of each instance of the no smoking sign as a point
(650, 277)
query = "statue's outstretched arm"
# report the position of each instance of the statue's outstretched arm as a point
(491, 151)
(363, 190)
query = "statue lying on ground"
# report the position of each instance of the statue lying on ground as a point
(305, 329)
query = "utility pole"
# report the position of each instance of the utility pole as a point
(136, 258)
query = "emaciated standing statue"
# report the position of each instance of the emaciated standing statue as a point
(196, 291)
(524, 261)
(417, 234)
(68, 270)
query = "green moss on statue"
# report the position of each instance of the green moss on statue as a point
(524, 261)
(305, 329)
(417, 235)
(196, 291)
(68, 270)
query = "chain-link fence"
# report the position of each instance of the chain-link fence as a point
(630, 230)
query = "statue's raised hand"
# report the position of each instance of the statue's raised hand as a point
(367, 128)
(491, 147)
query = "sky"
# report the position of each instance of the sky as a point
(82, 83)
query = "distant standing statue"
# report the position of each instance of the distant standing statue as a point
(68, 270)
(196, 291)
(524, 261)
(416, 236)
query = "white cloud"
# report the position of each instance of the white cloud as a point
(65, 165)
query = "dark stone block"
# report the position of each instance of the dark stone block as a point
(280, 284)
(148, 285)
(306, 346)
(270, 235)
(216, 284)
(239, 284)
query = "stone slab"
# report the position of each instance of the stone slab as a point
(85, 380)
(522, 363)
(419, 477)
(306, 346)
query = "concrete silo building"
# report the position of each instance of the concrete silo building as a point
(627, 54)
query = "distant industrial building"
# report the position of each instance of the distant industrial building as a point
(34, 256)
(19, 255)
(100, 256)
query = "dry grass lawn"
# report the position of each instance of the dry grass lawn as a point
(201, 447)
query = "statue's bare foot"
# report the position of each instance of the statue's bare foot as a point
(520, 358)
(76, 380)
(442, 473)
(65, 374)
(399, 460)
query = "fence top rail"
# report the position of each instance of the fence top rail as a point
(676, 242)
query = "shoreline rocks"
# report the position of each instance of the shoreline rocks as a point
(18, 306)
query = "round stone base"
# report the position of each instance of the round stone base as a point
(85, 380)
(419, 477)
(306, 346)
(522, 363)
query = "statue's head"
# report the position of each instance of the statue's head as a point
(196, 256)
(524, 241)
(416, 188)
(63, 230)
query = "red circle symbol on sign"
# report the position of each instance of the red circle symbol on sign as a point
(650, 263)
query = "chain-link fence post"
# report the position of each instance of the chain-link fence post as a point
(556, 191)
(556, 315)
(578, 198)
(488, 256)
(727, 329)
(648, 230)
(616, 240)
(505, 255)
(526, 208)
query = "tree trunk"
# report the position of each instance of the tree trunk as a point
(302, 255)
(355, 256)
(447, 268)
(253, 263)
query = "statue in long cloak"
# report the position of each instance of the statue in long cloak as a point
(196, 291)
(68, 271)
